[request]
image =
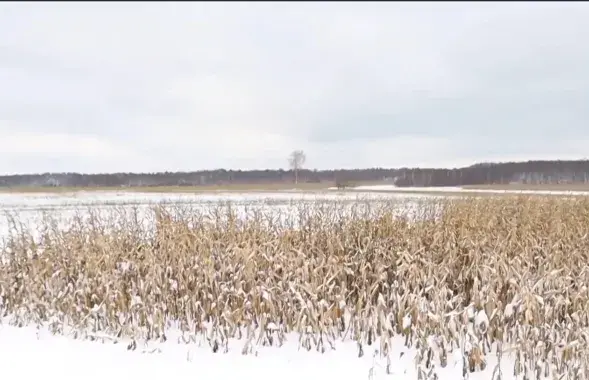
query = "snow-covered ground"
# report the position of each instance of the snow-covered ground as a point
(449, 189)
(32, 208)
(31, 353)
(82, 198)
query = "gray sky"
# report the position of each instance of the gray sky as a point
(104, 87)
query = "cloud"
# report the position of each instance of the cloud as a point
(105, 87)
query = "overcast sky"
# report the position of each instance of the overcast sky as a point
(113, 86)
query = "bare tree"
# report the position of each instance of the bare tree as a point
(296, 160)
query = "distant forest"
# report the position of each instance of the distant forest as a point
(530, 172)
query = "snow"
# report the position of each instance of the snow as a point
(63, 207)
(394, 188)
(31, 353)
(59, 200)
(450, 189)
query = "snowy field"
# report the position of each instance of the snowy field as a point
(31, 353)
(34, 352)
(37, 201)
(458, 190)
(31, 208)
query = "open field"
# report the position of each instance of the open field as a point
(269, 189)
(344, 285)
(464, 191)
(521, 186)
(67, 208)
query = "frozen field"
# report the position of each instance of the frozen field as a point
(30, 209)
(44, 201)
(458, 190)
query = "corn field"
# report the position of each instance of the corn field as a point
(490, 277)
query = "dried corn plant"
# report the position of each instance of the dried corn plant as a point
(486, 276)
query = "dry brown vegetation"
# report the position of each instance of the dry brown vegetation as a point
(488, 275)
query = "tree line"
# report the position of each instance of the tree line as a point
(529, 172)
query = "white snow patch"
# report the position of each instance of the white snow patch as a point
(450, 189)
(30, 353)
